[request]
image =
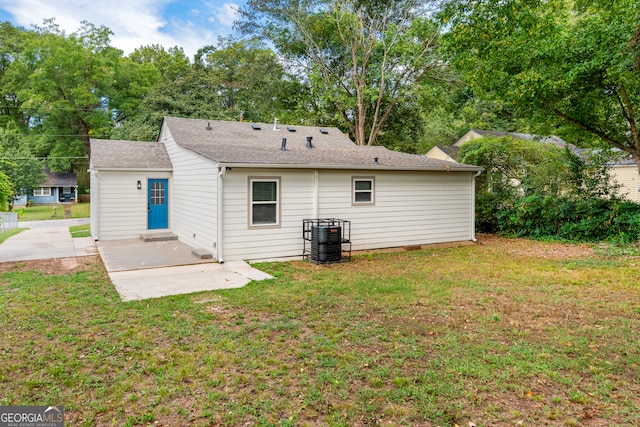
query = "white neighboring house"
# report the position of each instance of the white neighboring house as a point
(242, 190)
(450, 153)
(625, 173)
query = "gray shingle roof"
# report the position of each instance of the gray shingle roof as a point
(237, 143)
(59, 179)
(116, 154)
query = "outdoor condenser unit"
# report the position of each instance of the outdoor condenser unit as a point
(329, 240)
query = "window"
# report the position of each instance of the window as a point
(363, 189)
(264, 197)
(42, 191)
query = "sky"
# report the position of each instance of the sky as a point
(190, 24)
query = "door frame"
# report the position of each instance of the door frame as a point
(162, 208)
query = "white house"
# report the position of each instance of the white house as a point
(242, 190)
(624, 171)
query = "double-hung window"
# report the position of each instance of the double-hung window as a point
(42, 191)
(264, 201)
(363, 190)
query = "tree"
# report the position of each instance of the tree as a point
(20, 171)
(63, 85)
(362, 59)
(11, 41)
(536, 189)
(249, 79)
(6, 190)
(190, 95)
(573, 71)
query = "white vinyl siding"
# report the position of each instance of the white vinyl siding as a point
(411, 208)
(241, 241)
(629, 180)
(121, 208)
(194, 189)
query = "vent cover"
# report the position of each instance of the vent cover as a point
(255, 126)
(324, 131)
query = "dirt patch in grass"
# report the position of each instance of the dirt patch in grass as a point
(51, 267)
(534, 248)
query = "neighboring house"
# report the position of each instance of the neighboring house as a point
(442, 152)
(243, 191)
(450, 153)
(625, 173)
(58, 188)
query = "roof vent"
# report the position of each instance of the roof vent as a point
(283, 147)
(291, 129)
(255, 126)
(209, 126)
(324, 131)
(375, 161)
(275, 124)
(309, 144)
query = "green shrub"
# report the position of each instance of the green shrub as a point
(537, 190)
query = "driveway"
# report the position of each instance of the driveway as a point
(45, 240)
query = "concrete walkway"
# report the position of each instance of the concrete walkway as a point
(141, 270)
(138, 270)
(186, 279)
(45, 240)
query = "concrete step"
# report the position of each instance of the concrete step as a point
(201, 253)
(158, 237)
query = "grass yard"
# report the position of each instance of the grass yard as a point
(5, 234)
(83, 230)
(44, 212)
(506, 333)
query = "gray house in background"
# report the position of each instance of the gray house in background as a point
(242, 190)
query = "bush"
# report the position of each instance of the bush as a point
(537, 190)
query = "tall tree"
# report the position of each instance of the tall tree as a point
(362, 58)
(63, 84)
(21, 170)
(249, 79)
(11, 42)
(570, 67)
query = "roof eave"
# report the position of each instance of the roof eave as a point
(132, 169)
(452, 168)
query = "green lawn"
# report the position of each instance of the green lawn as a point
(5, 234)
(505, 333)
(83, 230)
(36, 213)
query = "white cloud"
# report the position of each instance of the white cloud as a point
(227, 13)
(134, 22)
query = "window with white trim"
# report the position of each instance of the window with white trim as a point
(42, 191)
(363, 190)
(264, 201)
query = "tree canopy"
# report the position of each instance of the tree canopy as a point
(568, 67)
(361, 60)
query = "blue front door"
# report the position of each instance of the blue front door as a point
(158, 204)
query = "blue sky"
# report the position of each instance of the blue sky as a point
(190, 24)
